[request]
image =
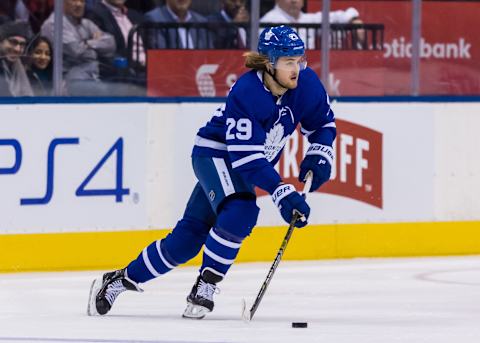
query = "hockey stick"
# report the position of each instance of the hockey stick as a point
(248, 315)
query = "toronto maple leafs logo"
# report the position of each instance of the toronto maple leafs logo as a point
(219, 111)
(269, 34)
(283, 111)
(274, 142)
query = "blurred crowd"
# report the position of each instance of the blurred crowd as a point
(96, 39)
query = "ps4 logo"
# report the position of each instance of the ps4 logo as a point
(117, 148)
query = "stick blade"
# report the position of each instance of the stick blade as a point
(246, 316)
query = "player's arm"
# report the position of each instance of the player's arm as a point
(318, 126)
(245, 139)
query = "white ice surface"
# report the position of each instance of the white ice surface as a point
(353, 301)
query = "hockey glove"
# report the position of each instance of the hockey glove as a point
(289, 201)
(318, 159)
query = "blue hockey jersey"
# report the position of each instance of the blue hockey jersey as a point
(251, 129)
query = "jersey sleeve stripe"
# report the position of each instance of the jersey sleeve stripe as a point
(306, 132)
(331, 124)
(208, 143)
(247, 159)
(246, 148)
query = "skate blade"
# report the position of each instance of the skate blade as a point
(245, 312)
(195, 311)
(94, 289)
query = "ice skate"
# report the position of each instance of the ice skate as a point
(106, 289)
(200, 299)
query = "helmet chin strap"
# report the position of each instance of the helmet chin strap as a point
(274, 77)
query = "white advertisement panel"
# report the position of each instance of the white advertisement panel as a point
(457, 166)
(73, 167)
(80, 167)
(172, 130)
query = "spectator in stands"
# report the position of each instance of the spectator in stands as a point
(40, 70)
(13, 77)
(83, 45)
(206, 7)
(113, 17)
(290, 11)
(21, 10)
(89, 4)
(233, 11)
(7, 8)
(4, 19)
(38, 12)
(33, 11)
(141, 6)
(15, 9)
(178, 11)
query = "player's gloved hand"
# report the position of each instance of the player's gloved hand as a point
(318, 160)
(289, 201)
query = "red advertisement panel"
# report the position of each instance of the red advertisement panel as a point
(450, 44)
(205, 73)
(209, 73)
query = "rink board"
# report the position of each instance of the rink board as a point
(90, 185)
(107, 250)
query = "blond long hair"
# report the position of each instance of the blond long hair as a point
(256, 61)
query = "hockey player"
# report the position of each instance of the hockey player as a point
(234, 152)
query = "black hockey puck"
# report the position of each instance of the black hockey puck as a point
(299, 324)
